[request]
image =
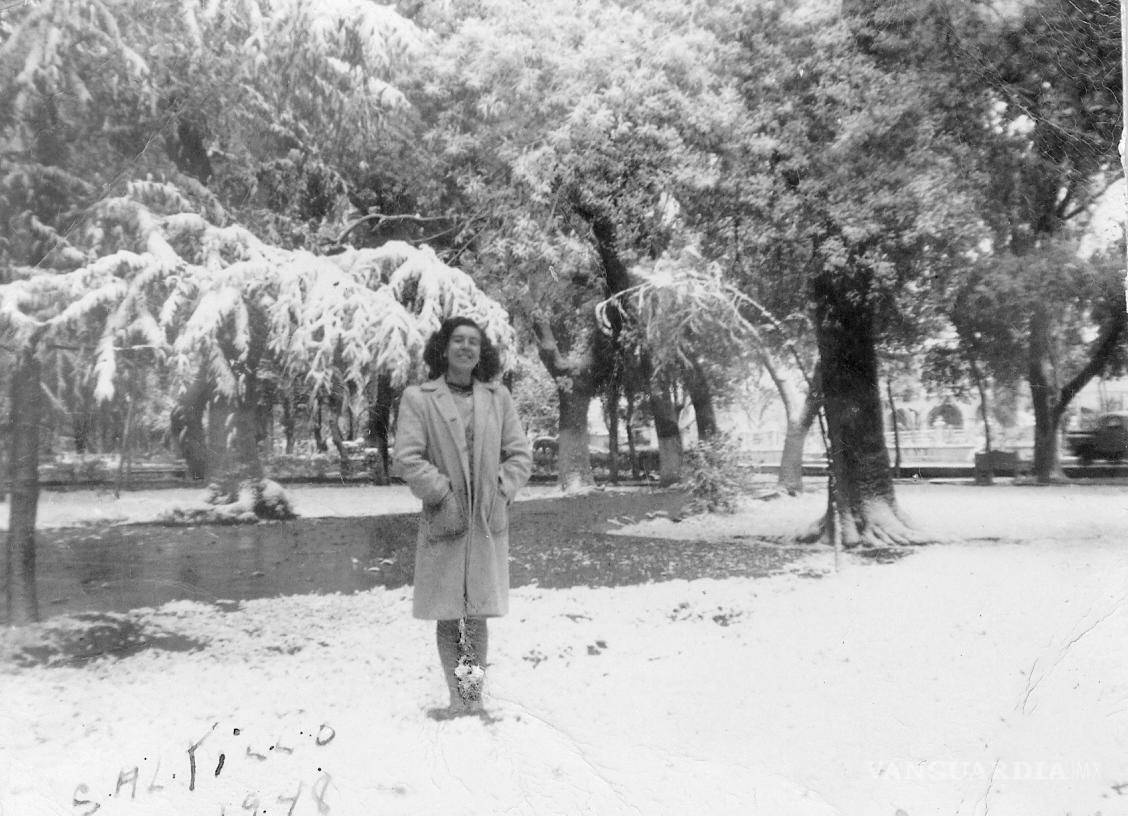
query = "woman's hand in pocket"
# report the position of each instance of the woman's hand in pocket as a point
(447, 518)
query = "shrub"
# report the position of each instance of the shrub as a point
(713, 475)
(252, 501)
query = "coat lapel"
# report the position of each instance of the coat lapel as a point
(483, 405)
(448, 412)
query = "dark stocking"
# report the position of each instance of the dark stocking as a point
(446, 637)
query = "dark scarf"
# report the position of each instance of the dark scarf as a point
(460, 389)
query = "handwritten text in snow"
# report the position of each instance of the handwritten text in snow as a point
(201, 768)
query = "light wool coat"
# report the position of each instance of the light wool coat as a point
(462, 552)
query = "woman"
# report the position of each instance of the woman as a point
(461, 449)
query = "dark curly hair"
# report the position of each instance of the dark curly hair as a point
(434, 355)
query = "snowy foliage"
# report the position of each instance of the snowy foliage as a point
(686, 306)
(715, 479)
(178, 286)
(251, 502)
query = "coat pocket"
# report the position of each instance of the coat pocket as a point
(499, 514)
(445, 519)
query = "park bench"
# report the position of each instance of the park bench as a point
(1000, 463)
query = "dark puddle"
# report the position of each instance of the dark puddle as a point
(95, 635)
(554, 543)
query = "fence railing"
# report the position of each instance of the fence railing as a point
(920, 446)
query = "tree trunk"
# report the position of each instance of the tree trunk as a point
(799, 416)
(604, 353)
(82, 425)
(701, 396)
(188, 149)
(237, 418)
(573, 460)
(264, 423)
(125, 464)
(315, 420)
(107, 424)
(632, 452)
(981, 387)
(612, 416)
(1049, 403)
(795, 438)
(21, 603)
(246, 433)
(219, 435)
(1043, 398)
(288, 420)
(670, 450)
(862, 501)
(336, 414)
(379, 424)
(896, 429)
(665, 413)
(187, 426)
(238, 458)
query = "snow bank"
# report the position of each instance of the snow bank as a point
(82, 507)
(989, 676)
(1002, 511)
(962, 679)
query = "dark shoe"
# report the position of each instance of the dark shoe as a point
(460, 709)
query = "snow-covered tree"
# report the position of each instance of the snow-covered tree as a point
(256, 98)
(699, 325)
(562, 135)
(215, 303)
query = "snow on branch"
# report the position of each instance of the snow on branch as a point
(684, 303)
(17, 301)
(175, 285)
(434, 291)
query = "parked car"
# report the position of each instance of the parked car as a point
(1107, 439)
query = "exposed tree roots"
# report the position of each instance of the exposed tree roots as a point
(1056, 477)
(578, 487)
(874, 524)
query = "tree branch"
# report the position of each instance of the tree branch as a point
(814, 400)
(381, 218)
(1102, 351)
(1080, 208)
(549, 350)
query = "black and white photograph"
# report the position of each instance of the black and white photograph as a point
(563, 408)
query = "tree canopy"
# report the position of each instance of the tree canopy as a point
(300, 189)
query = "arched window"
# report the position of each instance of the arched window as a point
(902, 418)
(948, 414)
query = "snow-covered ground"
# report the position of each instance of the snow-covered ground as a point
(78, 507)
(972, 677)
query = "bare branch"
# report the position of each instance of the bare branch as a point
(381, 218)
(1080, 208)
(554, 360)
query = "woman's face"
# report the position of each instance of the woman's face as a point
(464, 350)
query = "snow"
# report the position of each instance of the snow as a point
(80, 507)
(984, 675)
